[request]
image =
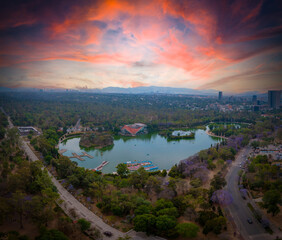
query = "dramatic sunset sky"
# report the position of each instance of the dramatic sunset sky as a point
(224, 45)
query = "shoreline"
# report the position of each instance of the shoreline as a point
(213, 135)
(206, 131)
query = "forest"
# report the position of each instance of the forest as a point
(111, 111)
(28, 207)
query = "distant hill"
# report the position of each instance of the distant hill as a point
(136, 90)
(161, 90)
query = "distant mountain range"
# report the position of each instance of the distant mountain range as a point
(157, 90)
(136, 90)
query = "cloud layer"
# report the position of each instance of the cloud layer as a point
(230, 46)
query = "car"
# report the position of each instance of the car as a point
(249, 220)
(108, 233)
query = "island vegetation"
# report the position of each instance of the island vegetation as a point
(176, 134)
(96, 140)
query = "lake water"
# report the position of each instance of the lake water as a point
(153, 147)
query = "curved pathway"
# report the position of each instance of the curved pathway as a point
(70, 202)
(213, 135)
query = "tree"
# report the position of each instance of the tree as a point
(222, 197)
(162, 204)
(181, 203)
(169, 212)
(204, 216)
(84, 224)
(41, 182)
(42, 206)
(19, 205)
(164, 173)
(2, 132)
(218, 182)
(196, 183)
(122, 169)
(174, 172)
(255, 144)
(270, 200)
(138, 178)
(52, 234)
(145, 223)
(13, 136)
(215, 225)
(4, 210)
(188, 230)
(143, 209)
(165, 222)
(154, 184)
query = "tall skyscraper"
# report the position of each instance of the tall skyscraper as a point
(219, 96)
(274, 99)
(255, 99)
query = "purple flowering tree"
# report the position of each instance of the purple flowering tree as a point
(221, 197)
(265, 223)
(193, 167)
(28, 198)
(229, 161)
(244, 192)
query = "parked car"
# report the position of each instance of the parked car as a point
(249, 220)
(108, 233)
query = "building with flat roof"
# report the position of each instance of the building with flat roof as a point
(274, 99)
(255, 99)
(219, 96)
(134, 129)
(26, 130)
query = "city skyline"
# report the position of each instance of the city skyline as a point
(229, 46)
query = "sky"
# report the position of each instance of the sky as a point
(232, 46)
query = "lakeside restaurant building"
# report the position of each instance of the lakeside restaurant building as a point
(26, 130)
(134, 129)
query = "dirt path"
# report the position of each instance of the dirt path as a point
(213, 135)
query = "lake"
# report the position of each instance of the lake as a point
(153, 147)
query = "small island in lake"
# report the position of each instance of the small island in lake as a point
(97, 140)
(177, 134)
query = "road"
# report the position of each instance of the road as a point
(70, 202)
(239, 209)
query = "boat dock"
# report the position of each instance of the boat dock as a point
(100, 167)
(134, 166)
(79, 157)
(62, 151)
(87, 155)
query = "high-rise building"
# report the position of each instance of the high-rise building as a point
(255, 99)
(256, 108)
(274, 99)
(219, 96)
